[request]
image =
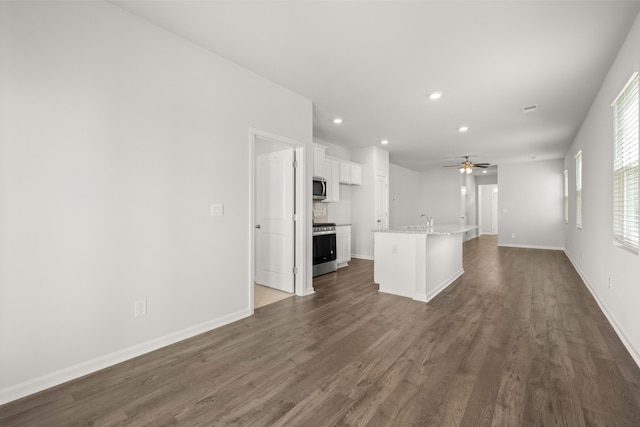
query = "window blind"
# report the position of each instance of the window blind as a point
(626, 116)
(579, 189)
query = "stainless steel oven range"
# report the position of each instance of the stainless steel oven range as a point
(324, 248)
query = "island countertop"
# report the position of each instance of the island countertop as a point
(436, 230)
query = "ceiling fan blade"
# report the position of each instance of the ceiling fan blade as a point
(452, 166)
(482, 164)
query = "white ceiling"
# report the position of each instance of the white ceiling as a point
(374, 63)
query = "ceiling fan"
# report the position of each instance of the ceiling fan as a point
(467, 166)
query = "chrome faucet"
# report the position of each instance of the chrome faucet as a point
(428, 220)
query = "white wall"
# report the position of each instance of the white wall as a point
(530, 204)
(469, 181)
(439, 195)
(403, 203)
(116, 137)
(374, 161)
(591, 249)
(486, 179)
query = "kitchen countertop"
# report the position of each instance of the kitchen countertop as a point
(436, 230)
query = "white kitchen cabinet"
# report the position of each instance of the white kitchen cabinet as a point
(343, 245)
(332, 172)
(350, 173)
(345, 173)
(356, 174)
(318, 162)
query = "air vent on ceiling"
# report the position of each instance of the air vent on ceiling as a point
(529, 108)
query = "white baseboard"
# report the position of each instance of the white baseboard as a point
(398, 294)
(550, 248)
(426, 297)
(367, 257)
(431, 295)
(635, 354)
(44, 382)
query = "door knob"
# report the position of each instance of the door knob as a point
(258, 226)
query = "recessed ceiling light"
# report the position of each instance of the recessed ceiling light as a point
(435, 95)
(484, 171)
(463, 128)
(384, 142)
(337, 120)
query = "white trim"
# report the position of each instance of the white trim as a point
(636, 70)
(431, 295)
(635, 354)
(367, 257)
(549, 248)
(301, 286)
(425, 297)
(398, 294)
(52, 379)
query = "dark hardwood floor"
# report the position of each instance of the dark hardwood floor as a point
(517, 340)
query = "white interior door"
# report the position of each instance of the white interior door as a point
(382, 204)
(463, 205)
(274, 229)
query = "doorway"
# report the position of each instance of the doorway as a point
(488, 208)
(277, 240)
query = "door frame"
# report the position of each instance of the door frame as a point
(300, 235)
(482, 204)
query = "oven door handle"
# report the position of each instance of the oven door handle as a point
(323, 233)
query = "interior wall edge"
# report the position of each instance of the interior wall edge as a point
(61, 376)
(634, 352)
(358, 256)
(548, 248)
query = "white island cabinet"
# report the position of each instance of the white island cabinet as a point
(418, 262)
(343, 245)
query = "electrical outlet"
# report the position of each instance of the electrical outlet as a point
(140, 308)
(513, 235)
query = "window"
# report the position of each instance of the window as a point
(579, 189)
(566, 196)
(625, 166)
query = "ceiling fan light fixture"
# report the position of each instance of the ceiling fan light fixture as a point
(469, 170)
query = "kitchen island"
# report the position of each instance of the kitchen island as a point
(418, 262)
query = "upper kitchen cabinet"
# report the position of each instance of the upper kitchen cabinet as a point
(332, 172)
(350, 173)
(319, 162)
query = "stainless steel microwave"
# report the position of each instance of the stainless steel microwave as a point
(319, 188)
